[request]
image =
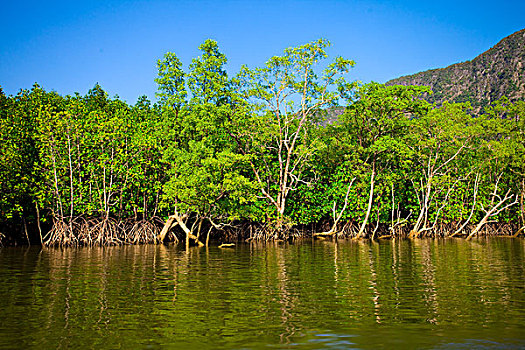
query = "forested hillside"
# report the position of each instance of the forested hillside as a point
(249, 156)
(495, 73)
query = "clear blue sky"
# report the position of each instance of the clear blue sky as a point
(68, 46)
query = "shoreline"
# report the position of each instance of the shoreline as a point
(112, 232)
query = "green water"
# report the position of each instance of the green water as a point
(439, 294)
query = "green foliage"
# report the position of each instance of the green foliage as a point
(172, 92)
(206, 174)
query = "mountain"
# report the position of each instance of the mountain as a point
(497, 72)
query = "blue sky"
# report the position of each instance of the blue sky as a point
(68, 46)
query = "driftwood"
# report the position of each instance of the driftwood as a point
(330, 233)
(227, 245)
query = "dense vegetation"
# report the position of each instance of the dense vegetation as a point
(251, 155)
(490, 76)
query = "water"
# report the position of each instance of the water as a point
(430, 294)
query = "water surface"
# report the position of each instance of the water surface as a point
(430, 294)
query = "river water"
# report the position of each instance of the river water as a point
(430, 294)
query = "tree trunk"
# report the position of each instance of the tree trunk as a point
(333, 230)
(522, 208)
(361, 233)
(38, 223)
(476, 186)
(421, 220)
(495, 210)
(479, 226)
(179, 221)
(189, 234)
(167, 226)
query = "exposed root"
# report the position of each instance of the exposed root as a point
(142, 231)
(61, 234)
(80, 231)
